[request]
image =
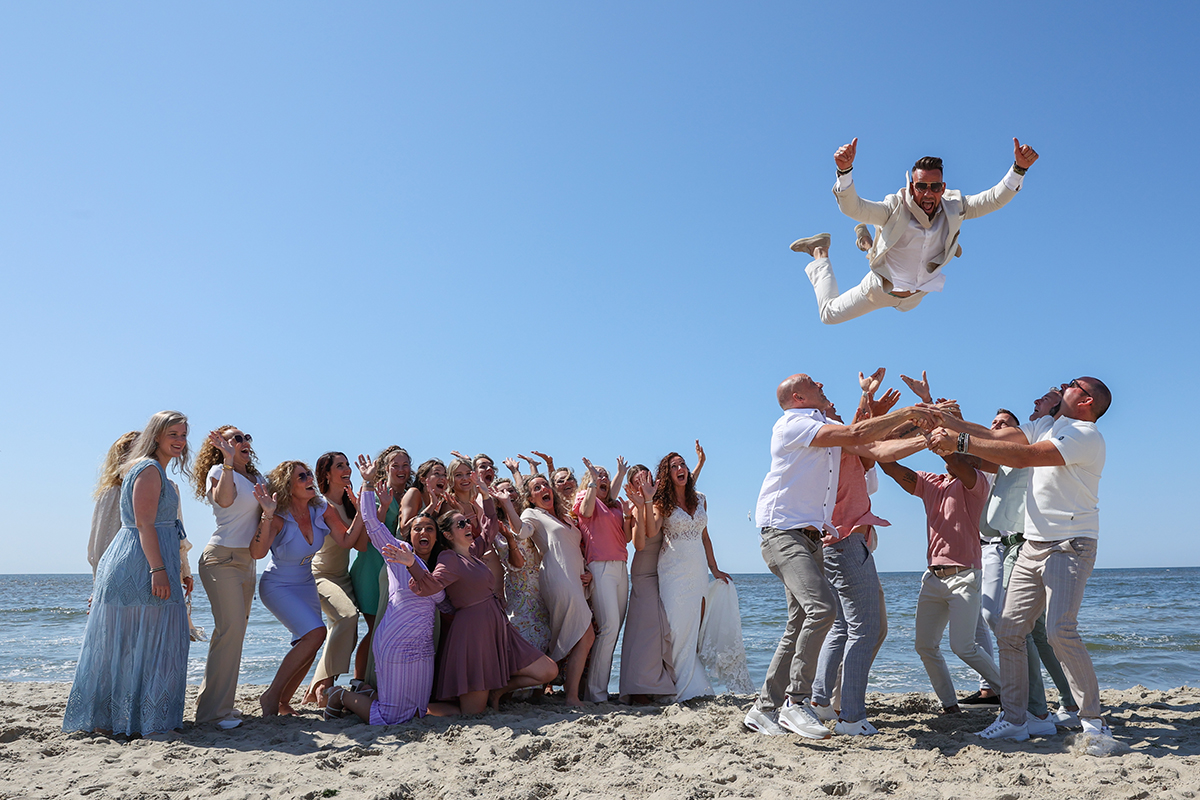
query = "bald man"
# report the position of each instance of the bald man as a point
(795, 509)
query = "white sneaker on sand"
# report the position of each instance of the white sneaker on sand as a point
(1066, 719)
(860, 728)
(801, 720)
(1003, 729)
(228, 724)
(762, 722)
(1096, 727)
(1040, 727)
(824, 713)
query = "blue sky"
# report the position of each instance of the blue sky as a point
(564, 227)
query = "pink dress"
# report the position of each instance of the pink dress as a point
(483, 650)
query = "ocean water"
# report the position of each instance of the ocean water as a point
(1141, 626)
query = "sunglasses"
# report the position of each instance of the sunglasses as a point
(462, 523)
(238, 438)
(1076, 384)
(934, 187)
(303, 476)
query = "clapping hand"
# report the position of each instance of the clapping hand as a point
(217, 440)
(266, 498)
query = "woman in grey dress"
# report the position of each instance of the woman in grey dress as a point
(646, 671)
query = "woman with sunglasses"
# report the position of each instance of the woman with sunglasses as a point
(562, 580)
(331, 569)
(403, 644)
(484, 656)
(225, 475)
(288, 589)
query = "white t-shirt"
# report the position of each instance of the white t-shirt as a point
(1063, 502)
(801, 487)
(236, 524)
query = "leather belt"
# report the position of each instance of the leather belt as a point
(1009, 541)
(811, 533)
(946, 570)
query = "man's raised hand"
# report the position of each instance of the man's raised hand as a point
(844, 157)
(1023, 154)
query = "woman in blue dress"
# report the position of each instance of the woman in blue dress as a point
(133, 664)
(287, 587)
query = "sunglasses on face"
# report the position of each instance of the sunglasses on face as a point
(462, 523)
(303, 476)
(238, 438)
(934, 187)
(1079, 386)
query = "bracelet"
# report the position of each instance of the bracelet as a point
(1019, 170)
(844, 171)
(964, 441)
(156, 569)
(226, 466)
(267, 518)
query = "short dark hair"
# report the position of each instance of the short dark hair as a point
(1000, 411)
(928, 162)
(1101, 396)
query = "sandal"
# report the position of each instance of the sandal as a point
(331, 712)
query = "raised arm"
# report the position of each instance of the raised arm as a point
(223, 490)
(700, 458)
(269, 525)
(587, 503)
(614, 489)
(1005, 453)
(868, 431)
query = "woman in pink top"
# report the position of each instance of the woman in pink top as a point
(606, 532)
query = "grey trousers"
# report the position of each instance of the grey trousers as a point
(953, 600)
(855, 637)
(798, 561)
(1049, 576)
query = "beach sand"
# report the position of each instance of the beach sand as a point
(536, 751)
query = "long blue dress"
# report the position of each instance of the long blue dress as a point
(133, 664)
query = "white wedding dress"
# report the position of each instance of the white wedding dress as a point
(682, 582)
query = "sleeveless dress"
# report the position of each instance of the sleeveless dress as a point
(560, 582)
(646, 649)
(287, 587)
(682, 582)
(133, 664)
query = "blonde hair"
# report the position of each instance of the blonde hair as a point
(146, 443)
(110, 470)
(586, 481)
(209, 456)
(279, 482)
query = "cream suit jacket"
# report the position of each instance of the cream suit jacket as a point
(891, 218)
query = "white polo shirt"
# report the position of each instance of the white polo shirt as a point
(1063, 502)
(801, 487)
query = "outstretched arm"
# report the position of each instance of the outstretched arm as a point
(901, 475)
(870, 430)
(1005, 453)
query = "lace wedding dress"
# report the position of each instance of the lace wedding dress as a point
(682, 582)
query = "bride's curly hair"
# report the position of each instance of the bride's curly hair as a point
(664, 491)
(209, 456)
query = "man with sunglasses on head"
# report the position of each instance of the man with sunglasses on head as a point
(916, 235)
(1062, 524)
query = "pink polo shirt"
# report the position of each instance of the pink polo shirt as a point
(604, 532)
(952, 511)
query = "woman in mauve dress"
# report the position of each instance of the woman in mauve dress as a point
(484, 655)
(646, 671)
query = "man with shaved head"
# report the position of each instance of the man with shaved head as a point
(1062, 525)
(795, 509)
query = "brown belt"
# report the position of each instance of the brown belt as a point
(945, 571)
(811, 533)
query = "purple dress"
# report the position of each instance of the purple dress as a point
(403, 642)
(483, 650)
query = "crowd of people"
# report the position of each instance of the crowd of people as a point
(1010, 553)
(474, 587)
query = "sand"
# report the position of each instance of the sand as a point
(695, 750)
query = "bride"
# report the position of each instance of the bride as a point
(687, 556)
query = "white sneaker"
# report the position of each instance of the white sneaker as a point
(860, 728)
(802, 720)
(1066, 719)
(824, 713)
(762, 722)
(1040, 727)
(228, 724)
(1096, 727)
(1003, 729)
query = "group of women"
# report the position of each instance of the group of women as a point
(472, 586)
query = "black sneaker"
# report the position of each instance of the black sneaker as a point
(978, 701)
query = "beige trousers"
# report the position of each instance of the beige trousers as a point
(341, 614)
(228, 575)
